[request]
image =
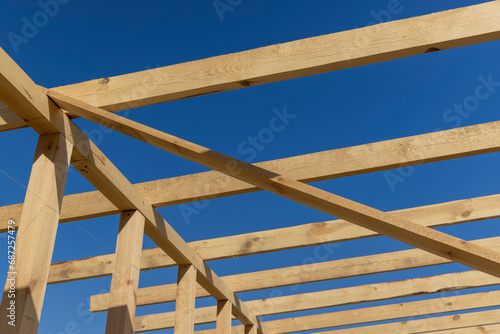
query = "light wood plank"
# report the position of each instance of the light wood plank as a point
(250, 330)
(9, 120)
(36, 237)
(414, 150)
(125, 281)
(450, 324)
(340, 297)
(224, 316)
(392, 226)
(391, 312)
(26, 98)
(185, 300)
(480, 329)
(309, 273)
(109, 180)
(368, 45)
(307, 235)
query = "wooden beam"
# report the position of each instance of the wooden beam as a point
(29, 102)
(478, 329)
(109, 180)
(339, 297)
(392, 312)
(223, 317)
(185, 300)
(24, 291)
(464, 323)
(347, 49)
(9, 120)
(310, 273)
(125, 281)
(306, 235)
(250, 329)
(414, 150)
(433, 241)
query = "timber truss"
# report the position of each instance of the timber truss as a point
(61, 142)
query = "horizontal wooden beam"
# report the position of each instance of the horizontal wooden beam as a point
(465, 323)
(368, 45)
(338, 297)
(309, 273)
(477, 329)
(389, 312)
(433, 241)
(116, 187)
(21, 94)
(307, 235)
(425, 148)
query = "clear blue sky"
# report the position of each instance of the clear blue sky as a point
(93, 39)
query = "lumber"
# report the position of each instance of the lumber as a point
(185, 300)
(340, 297)
(490, 329)
(306, 235)
(433, 241)
(311, 56)
(391, 312)
(26, 283)
(309, 273)
(125, 280)
(9, 120)
(224, 317)
(464, 323)
(249, 329)
(384, 155)
(21, 94)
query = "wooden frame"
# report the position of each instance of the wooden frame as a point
(49, 113)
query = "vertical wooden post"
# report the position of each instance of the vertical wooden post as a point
(224, 317)
(125, 281)
(24, 291)
(185, 301)
(250, 329)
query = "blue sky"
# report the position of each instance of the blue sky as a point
(93, 39)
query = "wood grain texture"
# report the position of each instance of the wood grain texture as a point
(27, 99)
(125, 280)
(433, 241)
(315, 55)
(484, 322)
(307, 235)
(425, 148)
(36, 236)
(392, 312)
(223, 316)
(340, 297)
(185, 300)
(308, 273)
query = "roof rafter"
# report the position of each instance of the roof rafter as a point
(308, 273)
(26, 98)
(419, 149)
(339, 297)
(307, 235)
(382, 313)
(433, 241)
(357, 47)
